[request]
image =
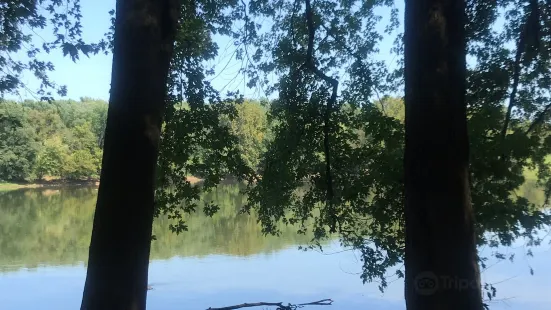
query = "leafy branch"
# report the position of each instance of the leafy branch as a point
(330, 103)
(538, 119)
(529, 31)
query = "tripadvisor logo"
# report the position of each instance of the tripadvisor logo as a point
(427, 283)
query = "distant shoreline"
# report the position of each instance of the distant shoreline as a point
(8, 186)
(47, 184)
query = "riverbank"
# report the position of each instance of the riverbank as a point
(47, 184)
(6, 186)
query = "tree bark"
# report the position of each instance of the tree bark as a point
(121, 237)
(441, 259)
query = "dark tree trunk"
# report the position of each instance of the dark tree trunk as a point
(441, 260)
(121, 237)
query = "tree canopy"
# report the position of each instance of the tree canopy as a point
(60, 139)
(336, 151)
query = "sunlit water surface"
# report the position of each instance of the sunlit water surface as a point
(220, 261)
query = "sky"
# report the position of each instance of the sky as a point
(90, 77)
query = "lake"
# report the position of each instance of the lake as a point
(220, 261)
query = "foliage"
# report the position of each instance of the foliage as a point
(335, 153)
(46, 121)
(393, 107)
(56, 139)
(20, 21)
(65, 138)
(196, 138)
(83, 164)
(18, 143)
(355, 183)
(250, 126)
(52, 159)
(343, 149)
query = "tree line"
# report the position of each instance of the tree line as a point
(44, 140)
(63, 139)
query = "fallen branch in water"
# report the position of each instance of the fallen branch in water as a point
(279, 305)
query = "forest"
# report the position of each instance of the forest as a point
(60, 139)
(418, 160)
(63, 139)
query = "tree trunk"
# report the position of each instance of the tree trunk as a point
(121, 237)
(441, 260)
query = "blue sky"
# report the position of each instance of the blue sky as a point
(91, 77)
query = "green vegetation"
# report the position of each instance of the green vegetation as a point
(64, 139)
(250, 126)
(61, 139)
(332, 127)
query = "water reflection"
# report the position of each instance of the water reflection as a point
(220, 261)
(53, 227)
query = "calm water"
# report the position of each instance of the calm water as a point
(220, 261)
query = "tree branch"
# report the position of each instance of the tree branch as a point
(310, 63)
(355, 55)
(323, 302)
(538, 119)
(516, 77)
(530, 30)
(248, 305)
